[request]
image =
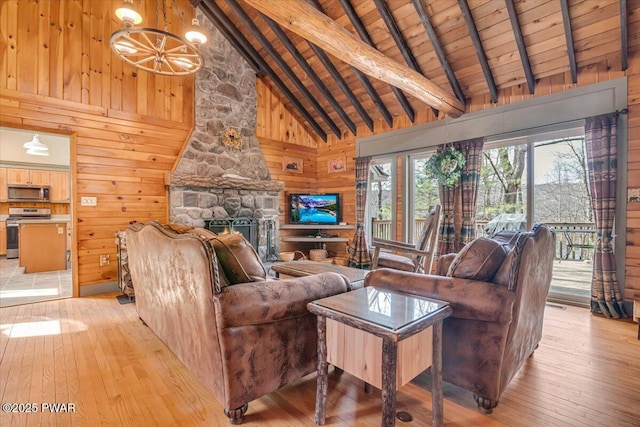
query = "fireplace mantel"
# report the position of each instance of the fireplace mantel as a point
(182, 180)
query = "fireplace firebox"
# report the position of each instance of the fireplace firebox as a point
(252, 230)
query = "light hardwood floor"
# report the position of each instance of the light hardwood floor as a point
(95, 353)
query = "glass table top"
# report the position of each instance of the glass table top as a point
(391, 310)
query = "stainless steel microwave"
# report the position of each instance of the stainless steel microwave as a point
(28, 193)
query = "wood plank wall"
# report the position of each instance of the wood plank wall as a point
(344, 183)
(127, 127)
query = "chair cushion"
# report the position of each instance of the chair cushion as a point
(397, 262)
(478, 260)
(238, 259)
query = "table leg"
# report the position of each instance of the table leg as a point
(323, 372)
(437, 407)
(389, 365)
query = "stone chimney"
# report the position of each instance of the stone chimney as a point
(211, 180)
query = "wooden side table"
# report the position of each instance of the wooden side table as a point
(384, 338)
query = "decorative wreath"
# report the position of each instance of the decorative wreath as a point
(232, 139)
(445, 166)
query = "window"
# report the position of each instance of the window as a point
(382, 198)
(423, 194)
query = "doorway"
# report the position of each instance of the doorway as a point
(35, 271)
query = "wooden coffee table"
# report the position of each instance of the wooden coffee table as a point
(383, 337)
(308, 268)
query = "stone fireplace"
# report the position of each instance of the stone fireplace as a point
(214, 181)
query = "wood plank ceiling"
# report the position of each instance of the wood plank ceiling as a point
(465, 47)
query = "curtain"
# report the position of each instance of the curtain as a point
(359, 249)
(447, 240)
(601, 153)
(461, 199)
(470, 180)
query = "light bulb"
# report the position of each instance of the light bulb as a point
(183, 62)
(124, 46)
(194, 35)
(128, 14)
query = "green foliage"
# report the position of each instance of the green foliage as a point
(445, 166)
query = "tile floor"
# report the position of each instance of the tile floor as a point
(17, 288)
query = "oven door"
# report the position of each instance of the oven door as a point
(12, 240)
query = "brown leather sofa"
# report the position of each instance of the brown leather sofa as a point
(497, 288)
(241, 340)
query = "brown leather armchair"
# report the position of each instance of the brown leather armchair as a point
(241, 340)
(497, 288)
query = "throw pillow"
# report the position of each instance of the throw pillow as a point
(478, 260)
(238, 259)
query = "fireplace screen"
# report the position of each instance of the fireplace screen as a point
(245, 226)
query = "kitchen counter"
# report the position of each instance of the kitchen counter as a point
(37, 235)
(43, 221)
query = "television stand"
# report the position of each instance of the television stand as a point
(319, 237)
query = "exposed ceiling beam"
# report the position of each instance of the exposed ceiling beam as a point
(566, 20)
(342, 84)
(237, 40)
(364, 81)
(477, 43)
(284, 39)
(246, 21)
(437, 47)
(318, 28)
(364, 35)
(522, 49)
(222, 22)
(397, 36)
(375, 97)
(623, 35)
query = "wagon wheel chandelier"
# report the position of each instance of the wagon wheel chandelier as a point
(154, 50)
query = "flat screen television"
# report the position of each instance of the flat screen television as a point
(314, 209)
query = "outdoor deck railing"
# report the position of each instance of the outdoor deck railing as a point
(574, 241)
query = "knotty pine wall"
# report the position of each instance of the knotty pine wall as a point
(344, 183)
(292, 139)
(127, 126)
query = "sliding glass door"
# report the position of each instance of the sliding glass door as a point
(562, 201)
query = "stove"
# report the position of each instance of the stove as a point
(21, 214)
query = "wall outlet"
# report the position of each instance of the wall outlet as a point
(88, 201)
(104, 260)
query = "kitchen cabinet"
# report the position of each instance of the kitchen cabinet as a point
(3, 185)
(34, 237)
(60, 189)
(28, 176)
(3, 237)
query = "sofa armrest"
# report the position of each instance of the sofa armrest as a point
(257, 303)
(469, 299)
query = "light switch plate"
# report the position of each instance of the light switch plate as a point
(88, 201)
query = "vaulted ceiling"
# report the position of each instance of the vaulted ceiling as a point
(428, 53)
